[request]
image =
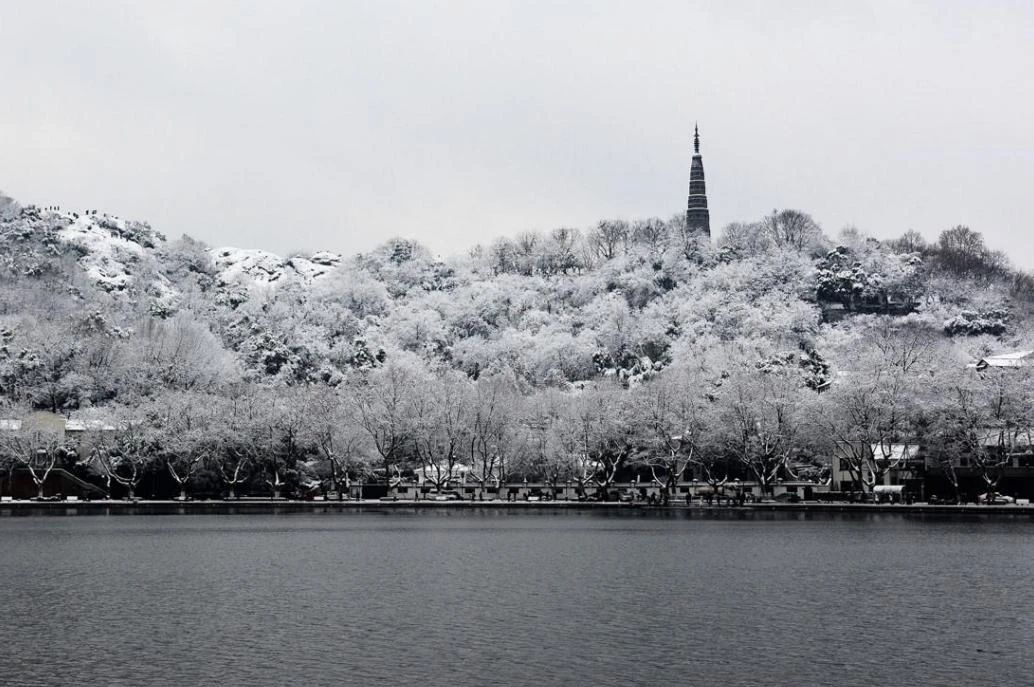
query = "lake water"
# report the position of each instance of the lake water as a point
(518, 598)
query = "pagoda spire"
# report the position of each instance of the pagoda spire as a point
(697, 216)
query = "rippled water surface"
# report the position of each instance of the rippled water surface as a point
(492, 597)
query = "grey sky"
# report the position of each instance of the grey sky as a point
(333, 125)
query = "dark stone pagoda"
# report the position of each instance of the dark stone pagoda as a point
(697, 217)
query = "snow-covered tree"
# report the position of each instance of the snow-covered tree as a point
(37, 444)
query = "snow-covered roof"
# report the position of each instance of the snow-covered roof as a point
(81, 425)
(991, 437)
(894, 452)
(71, 425)
(457, 469)
(1014, 359)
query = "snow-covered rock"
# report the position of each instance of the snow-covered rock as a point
(106, 256)
(243, 266)
(314, 266)
(111, 248)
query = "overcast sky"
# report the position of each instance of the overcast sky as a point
(308, 125)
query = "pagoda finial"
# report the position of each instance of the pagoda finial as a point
(696, 138)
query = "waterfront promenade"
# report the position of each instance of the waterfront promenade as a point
(258, 505)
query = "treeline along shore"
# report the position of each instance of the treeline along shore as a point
(912, 427)
(731, 509)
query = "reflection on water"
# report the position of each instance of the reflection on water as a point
(476, 597)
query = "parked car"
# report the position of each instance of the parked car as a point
(995, 498)
(788, 497)
(626, 496)
(443, 496)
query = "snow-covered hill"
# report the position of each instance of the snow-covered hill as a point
(550, 309)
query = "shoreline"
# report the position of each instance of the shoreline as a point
(266, 506)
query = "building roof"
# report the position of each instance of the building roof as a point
(1009, 438)
(457, 469)
(893, 453)
(1014, 359)
(81, 425)
(56, 423)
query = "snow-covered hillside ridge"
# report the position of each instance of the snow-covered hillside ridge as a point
(116, 254)
(112, 246)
